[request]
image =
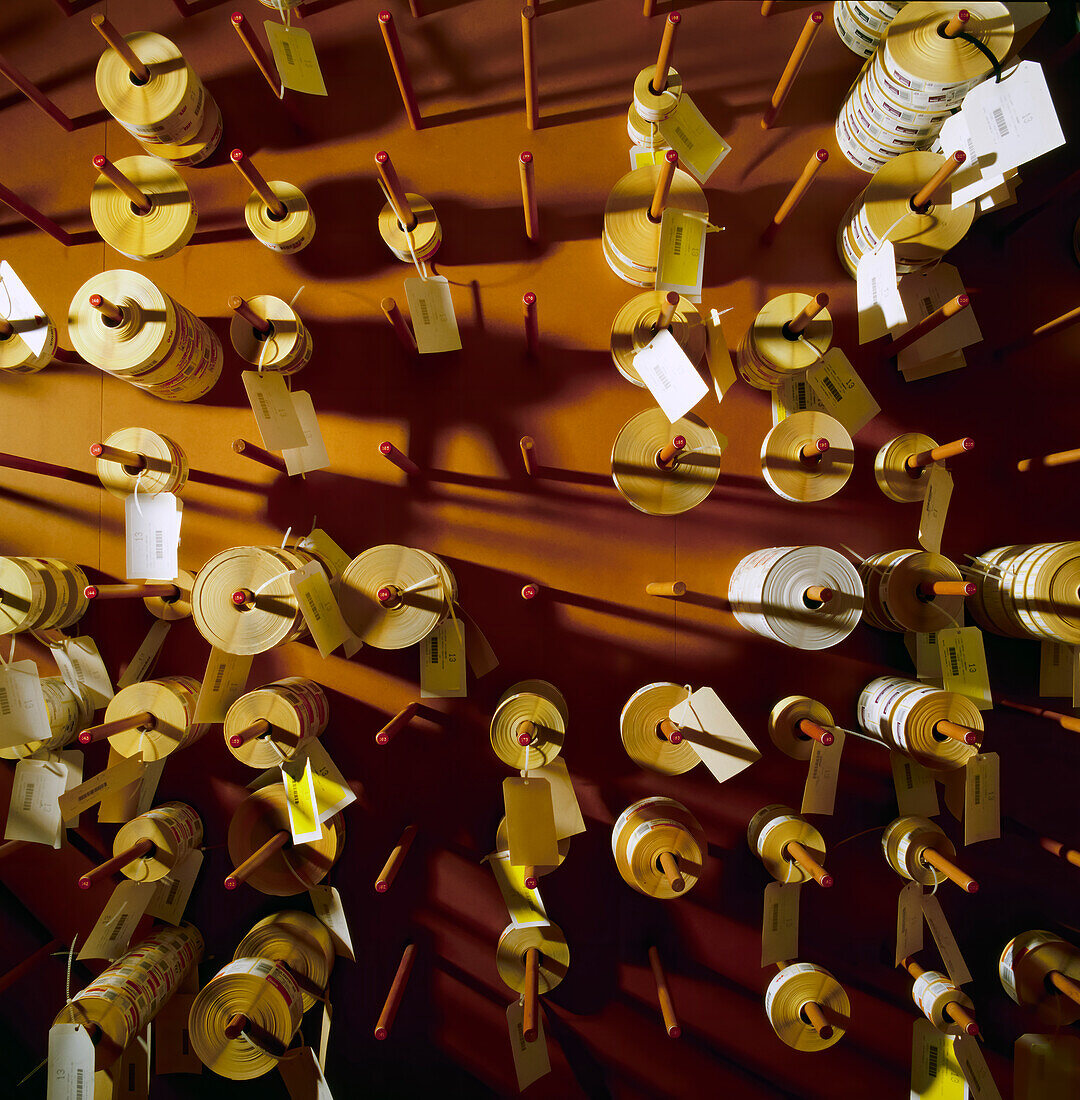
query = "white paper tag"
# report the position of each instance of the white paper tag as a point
(23, 716)
(312, 456)
(33, 812)
(326, 902)
(971, 181)
(963, 664)
(275, 414)
(322, 615)
(669, 375)
(945, 940)
(793, 395)
(780, 923)
(841, 391)
(935, 507)
(916, 792)
(974, 1068)
(1056, 661)
(909, 921)
(700, 147)
(442, 662)
(143, 659)
(222, 684)
(982, 806)
(719, 356)
(530, 1059)
(332, 792)
(17, 305)
(171, 893)
(116, 777)
(880, 305)
(111, 935)
(294, 57)
(90, 669)
(932, 367)
(713, 733)
(71, 1063)
(153, 536)
(819, 791)
(680, 261)
(323, 546)
(432, 311)
(926, 656)
(301, 1072)
(924, 294)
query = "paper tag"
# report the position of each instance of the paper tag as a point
(1046, 1067)
(780, 923)
(143, 659)
(332, 792)
(916, 792)
(974, 1068)
(935, 507)
(719, 355)
(933, 367)
(222, 684)
(294, 56)
(972, 180)
(172, 892)
(669, 375)
(90, 669)
(982, 807)
(153, 536)
(927, 658)
(525, 906)
(478, 651)
(432, 311)
(793, 395)
(71, 1063)
(119, 804)
(963, 664)
(641, 157)
(323, 547)
(326, 902)
(300, 797)
(568, 819)
(33, 812)
(132, 1079)
(838, 387)
(935, 1072)
(324, 1033)
(880, 305)
(23, 715)
(301, 1071)
(275, 414)
(1056, 661)
(17, 305)
(148, 786)
(442, 662)
(111, 935)
(819, 792)
(909, 921)
(173, 1052)
(923, 294)
(700, 147)
(312, 455)
(713, 733)
(318, 606)
(128, 770)
(955, 783)
(945, 940)
(530, 1059)
(530, 822)
(1076, 677)
(680, 263)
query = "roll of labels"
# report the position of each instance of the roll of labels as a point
(531, 961)
(66, 712)
(902, 466)
(301, 943)
(277, 213)
(807, 456)
(861, 24)
(807, 1007)
(408, 223)
(913, 590)
(16, 355)
(941, 1001)
(274, 723)
(1042, 971)
(659, 847)
(640, 319)
(789, 335)
(650, 107)
(649, 736)
(796, 722)
(268, 333)
(40, 594)
(137, 459)
(529, 724)
(153, 717)
(788, 845)
(917, 849)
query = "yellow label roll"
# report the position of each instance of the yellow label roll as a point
(194, 150)
(891, 470)
(1042, 971)
(173, 828)
(656, 106)
(782, 839)
(275, 722)
(769, 351)
(40, 594)
(807, 456)
(642, 132)
(933, 992)
(659, 847)
(164, 469)
(291, 232)
(905, 843)
(171, 701)
(66, 582)
(67, 714)
(642, 727)
(635, 325)
(515, 942)
(784, 721)
(861, 24)
(285, 346)
(787, 997)
(895, 585)
(425, 237)
(16, 355)
(531, 718)
(300, 941)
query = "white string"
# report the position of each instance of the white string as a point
(292, 300)
(421, 584)
(135, 493)
(408, 234)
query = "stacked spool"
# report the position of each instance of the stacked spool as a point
(374, 601)
(529, 722)
(40, 594)
(771, 830)
(650, 829)
(861, 24)
(902, 714)
(916, 79)
(126, 996)
(807, 456)
(893, 599)
(172, 115)
(1026, 968)
(292, 231)
(785, 719)
(768, 355)
(157, 344)
(67, 714)
(933, 992)
(300, 941)
(772, 593)
(425, 237)
(515, 943)
(649, 109)
(285, 347)
(173, 828)
(289, 713)
(788, 994)
(642, 729)
(171, 700)
(635, 326)
(263, 991)
(891, 472)
(906, 839)
(164, 470)
(883, 211)
(18, 357)
(1029, 591)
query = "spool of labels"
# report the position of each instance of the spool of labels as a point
(789, 992)
(286, 348)
(172, 701)
(67, 714)
(890, 467)
(515, 942)
(769, 833)
(297, 710)
(158, 345)
(291, 232)
(904, 842)
(127, 995)
(767, 593)
(534, 709)
(174, 828)
(794, 478)
(642, 737)
(644, 134)
(635, 326)
(648, 828)
(883, 211)
(656, 106)
(631, 240)
(902, 714)
(861, 24)
(294, 868)
(933, 992)
(502, 844)
(193, 151)
(664, 490)
(766, 356)
(263, 991)
(1025, 966)
(299, 940)
(159, 233)
(18, 357)
(166, 469)
(407, 617)
(422, 241)
(893, 601)
(784, 722)
(40, 594)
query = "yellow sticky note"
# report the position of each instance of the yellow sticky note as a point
(530, 822)
(294, 56)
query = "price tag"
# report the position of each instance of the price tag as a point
(332, 792)
(71, 1063)
(780, 923)
(312, 455)
(126, 771)
(275, 414)
(1046, 1066)
(880, 305)
(794, 395)
(531, 1060)
(819, 792)
(33, 812)
(669, 375)
(17, 305)
(223, 683)
(323, 546)
(111, 935)
(153, 536)
(680, 263)
(442, 662)
(568, 819)
(935, 507)
(713, 733)
(935, 1072)
(23, 717)
(299, 780)
(909, 921)
(924, 294)
(432, 311)
(525, 906)
(294, 56)
(145, 656)
(974, 1068)
(319, 608)
(916, 792)
(530, 822)
(982, 808)
(1056, 661)
(945, 940)
(700, 147)
(90, 669)
(963, 664)
(326, 902)
(171, 893)
(716, 351)
(843, 393)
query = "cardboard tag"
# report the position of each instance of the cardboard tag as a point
(111, 935)
(793, 395)
(935, 507)
(927, 658)
(982, 807)
(324, 1033)
(916, 791)
(294, 57)
(963, 664)
(326, 902)
(530, 822)
(145, 656)
(530, 1059)
(222, 684)
(719, 355)
(640, 156)
(954, 785)
(1056, 661)
(133, 1076)
(780, 923)
(1076, 677)
(173, 1052)
(909, 921)
(945, 940)
(323, 546)
(171, 893)
(23, 715)
(312, 455)
(301, 800)
(669, 375)
(322, 615)
(935, 1072)
(478, 651)
(819, 791)
(34, 812)
(841, 391)
(121, 804)
(127, 770)
(680, 262)
(432, 311)
(568, 819)
(442, 662)
(301, 1072)
(713, 733)
(972, 180)
(923, 294)
(90, 670)
(880, 305)
(71, 1063)
(525, 906)
(700, 147)
(332, 792)
(17, 305)
(1046, 1067)
(974, 1068)
(275, 415)
(153, 536)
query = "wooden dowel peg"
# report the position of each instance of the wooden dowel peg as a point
(240, 1024)
(389, 595)
(1066, 721)
(1047, 329)
(526, 733)
(532, 324)
(144, 720)
(395, 191)
(791, 70)
(10, 847)
(800, 187)
(816, 1019)
(397, 990)
(669, 865)
(531, 879)
(1059, 458)
(767, 7)
(798, 854)
(6, 328)
(920, 201)
(961, 1017)
(115, 39)
(401, 72)
(396, 858)
(393, 314)
(955, 25)
(35, 217)
(666, 730)
(649, 10)
(396, 724)
(929, 589)
(257, 858)
(939, 454)
(527, 445)
(109, 867)
(917, 331)
(244, 599)
(259, 454)
(259, 728)
(663, 58)
(532, 106)
(242, 308)
(110, 311)
(1054, 847)
(964, 734)
(1065, 985)
(665, 588)
(399, 458)
(806, 728)
(912, 967)
(132, 459)
(235, 1026)
(667, 454)
(667, 311)
(117, 178)
(528, 195)
(810, 453)
(933, 858)
(258, 54)
(816, 596)
(259, 185)
(530, 591)
(529, 1026)
(809, 311)
(131, 591)
(663, 185)
(36, 466)
(35, 94)
(667, 1005)
(416, 9)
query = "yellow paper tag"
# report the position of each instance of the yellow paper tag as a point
(133, 1079)
(916, 792)
(568, 819)
(909, 921)
(640, 157)
(332, 792)
(819, 792)
(935, 507)
(719, 355)
(838, 387)
(681, 259)
(713, 733)
(126, 771)
(530, 1059)
(974, 1068)
(525, 906)
(442, 662)
(222, 684)
(935, 1072)
(173, 1052)
(142, 661)
(700, 147)
(982, 808)
(323, 547)
(319, 608)
(303, 1076)
(780, 923)
(948, 948)
(294, 56)
(302, 804)
(530, 822)
(963, 664)
(1056, 662)
(326, 902)
(793, 395)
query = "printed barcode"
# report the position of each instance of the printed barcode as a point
(662, 378)
(909, 779)
(932, 1061)
(433, 656)
(684, 137)
(5, 706)
(28, 798)
(264, 408)
(832, 389)
(1000, 123)
(312, 608)
(118, 927)
(159, 545)
(676, 242)
(424, 315)
(800, 395)
(927, 307)
(218, 678)
(775, 917)
(79, 1084)
(954, 664)
(977, 796)
(287, 51)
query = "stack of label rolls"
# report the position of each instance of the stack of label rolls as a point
(40, 594)
(291, 713)
(171, 700)
(767, 354)
(635, 326)
(653, 827)
(299, 940)
(650, 108)
(1025, 968)
(861, 24)
(790, 990)
(893, 600)
(18, 357)
(66, 713)
(164, 470)
(284, 349)
(535, 707)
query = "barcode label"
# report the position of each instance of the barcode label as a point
(932, 1062)
(159, 545)
(5, 706)
(28, 798)
(954, 664)
(311, 607)
(831, 388)
(425, 317)
(661, 376)
(776, 918)
(927, 307)
(676, 244)
(977, 794)
(433, 655)
(264, 408)
(287, 51)
(218, 678)
(1000, 123)
(79, 1084)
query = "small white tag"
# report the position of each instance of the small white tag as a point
(33, 812)
(700, 147)
(90, 670)
(172, 892)
(153, 536)
(716, 350)
(935, 507)
(530, 1059)
(879, 302)
(294, 56)
(442, 662)
(970, 181)
(819, 791)
(71, 1063)
(222, 684)
(924, 294)
(301, 1072)
(974, 1068)
(916, 792)
(909, 921)
(111, 935)
(838, 387)
(780, 923)
(323, 546)
(669, 375)
(312, 456)
(319, 608)
(326, 902)
(432, 312)
(713, 733)
(963, 664)
(275, 414)
(332, 792)
(1056, 662)
(17, 305)
(945, 940)
(144, 657)
(23, 716)
(680, 261)
(982, 807)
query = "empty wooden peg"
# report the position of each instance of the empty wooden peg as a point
(131, 591)
(791, 70)
(258, 54)
(257, 858)
(767, 7)
(528, 195)
(799, 188)
(138, 200)
(395, 192)
(532, 325)
(929, 589)
(667, 310)
(938, 454)
(144, 720)
(933, 858)
(393, 314)
(36, 466)
(1038, 333)
(1061, 851)
(399, 458)
(259, 454)
(530, 591)
(259, 185)
(111, 866)
(1064, 984)
(815, 1017)
(532, 106)
(401, 73)
(416, 9)
(397, 723)
(259, 728)
(139, 72)
(242, 308)
(956, 24)
(663, 185)
(394, 861)
(527, 445)
(1059, 458)
(666, 730)
(810, 453)
(649, 10)
(1066, 721)
(529, 1025)
(397, 991)
(798, 323)
(670, 866)
(35, 94)
(794, 851)
(920, 201)
(953, 730)
(665, 588)
(663, 58)
(807, 729)
(917, 331)
(667, 454)
(35, 217)
(817, 595)
(667, 1005)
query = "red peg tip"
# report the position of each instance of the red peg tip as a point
(671, 156)
(960, 156)
(384, 17)
(381, 739)
(963, 15)
(816, 16)
(381, 1032)
(822, 155)
(674, 17)
(384, 595)
(964, 300)
(239, 598)
(85, 738)
(236, 155)
(826, 881)
(680, 442)
(675, 738)
(99, 160)
(531, 882)
(231, 883)
(525, 157)
(95, 300)
(237, 17)
(973, 1028)
(524, 739)
(822, 445)
(85, 884)
(382, 156)
(971, 588)
(674, 1032)
(529, 298)
(381, 887)
(971, 738)
(529, 592)
(236, 741)
(96, 449)
(90, 592)
(973, 887)
(969, 444)
(827, 738)
(386, 447)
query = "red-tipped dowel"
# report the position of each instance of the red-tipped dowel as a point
(798, 854)
(398, 458)
(109, 867)
(143, 720)
(401, 72)
(397, 991)
(791, 70)
(257, 858)
(396, 724)
(394, 861)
